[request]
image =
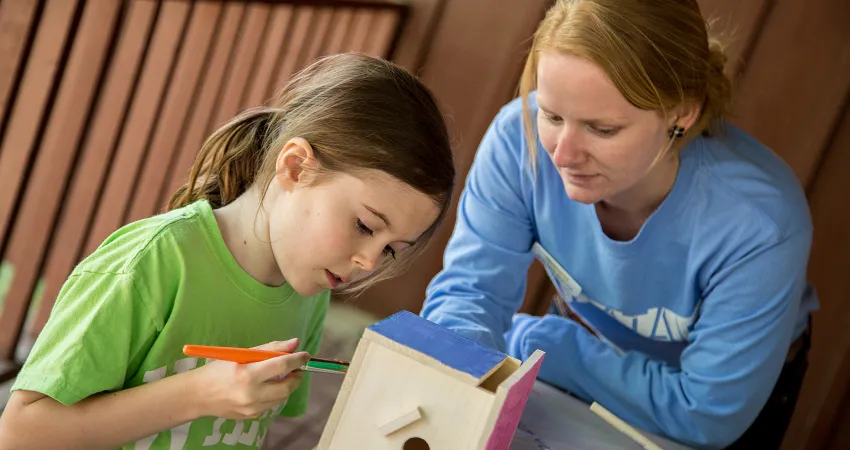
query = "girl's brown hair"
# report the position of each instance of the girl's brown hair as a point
(358, 113)
(658, 53)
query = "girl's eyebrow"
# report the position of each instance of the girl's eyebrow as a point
(384, 218)
(377, 213)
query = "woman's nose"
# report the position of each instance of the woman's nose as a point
(568, 150)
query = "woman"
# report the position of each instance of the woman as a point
(678, 242)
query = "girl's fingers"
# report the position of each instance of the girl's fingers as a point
(277, 391)
(289, 346)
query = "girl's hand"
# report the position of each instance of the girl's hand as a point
(245, 391)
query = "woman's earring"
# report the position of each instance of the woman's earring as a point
(677, 132)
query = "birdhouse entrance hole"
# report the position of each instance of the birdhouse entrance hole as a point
(416, 444)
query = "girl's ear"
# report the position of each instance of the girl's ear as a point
(293, 163)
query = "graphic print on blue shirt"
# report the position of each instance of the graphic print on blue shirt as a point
(659, 332)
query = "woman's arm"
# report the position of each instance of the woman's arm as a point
(734, 356)
(108, 421)
(486, 260)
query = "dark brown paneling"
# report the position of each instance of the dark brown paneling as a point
(418, 33)
(538, 292)
(180, 91)
(121, 183)
(53, 163)
(796, 80)
(827, 379)
(841, 436)
(472, 68)
(29, 105)
(199, 120)
(16, 22)
(737, 24)
(95, 154)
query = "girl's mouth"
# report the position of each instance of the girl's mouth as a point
(333, 280)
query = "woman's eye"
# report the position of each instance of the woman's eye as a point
(605, 132)
(363, 229)
(552, 118)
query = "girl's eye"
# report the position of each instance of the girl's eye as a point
(366, 231)
(363, 229)
(389, 251)
(605, 132)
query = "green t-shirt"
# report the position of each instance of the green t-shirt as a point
(124, 314)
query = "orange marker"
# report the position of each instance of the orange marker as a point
(250, 355)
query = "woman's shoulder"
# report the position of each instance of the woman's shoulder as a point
(737, 169)
(505, 142)
(509, 117)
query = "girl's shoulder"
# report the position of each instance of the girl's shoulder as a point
(158, 237)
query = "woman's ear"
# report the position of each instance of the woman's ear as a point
(686, 115)
(293, 163)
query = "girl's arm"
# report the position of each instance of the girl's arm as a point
(33, 420)
(238, 391)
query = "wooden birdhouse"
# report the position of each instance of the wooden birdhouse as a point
(415, 385)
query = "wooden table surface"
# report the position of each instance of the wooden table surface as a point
(554, 420)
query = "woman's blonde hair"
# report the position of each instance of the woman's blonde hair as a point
(358, 113)
(657, 53)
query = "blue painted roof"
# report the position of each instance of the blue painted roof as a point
(448, 347)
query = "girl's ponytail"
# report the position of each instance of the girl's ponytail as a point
(228, 162)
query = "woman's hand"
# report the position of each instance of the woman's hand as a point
(244, 391)
(565, 311)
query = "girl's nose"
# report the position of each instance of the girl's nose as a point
(368, 259)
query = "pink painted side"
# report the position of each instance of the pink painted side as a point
(508, 420)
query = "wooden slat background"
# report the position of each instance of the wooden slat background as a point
(104, 103)
(791, 59)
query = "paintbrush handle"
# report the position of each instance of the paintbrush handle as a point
(250, 355)
(232, 354)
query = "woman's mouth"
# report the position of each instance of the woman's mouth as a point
(581, 179)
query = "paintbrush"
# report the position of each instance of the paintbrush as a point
(250, 355)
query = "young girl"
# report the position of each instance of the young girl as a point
(338, 186)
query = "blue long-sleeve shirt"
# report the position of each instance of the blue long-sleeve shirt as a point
(694, 315)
